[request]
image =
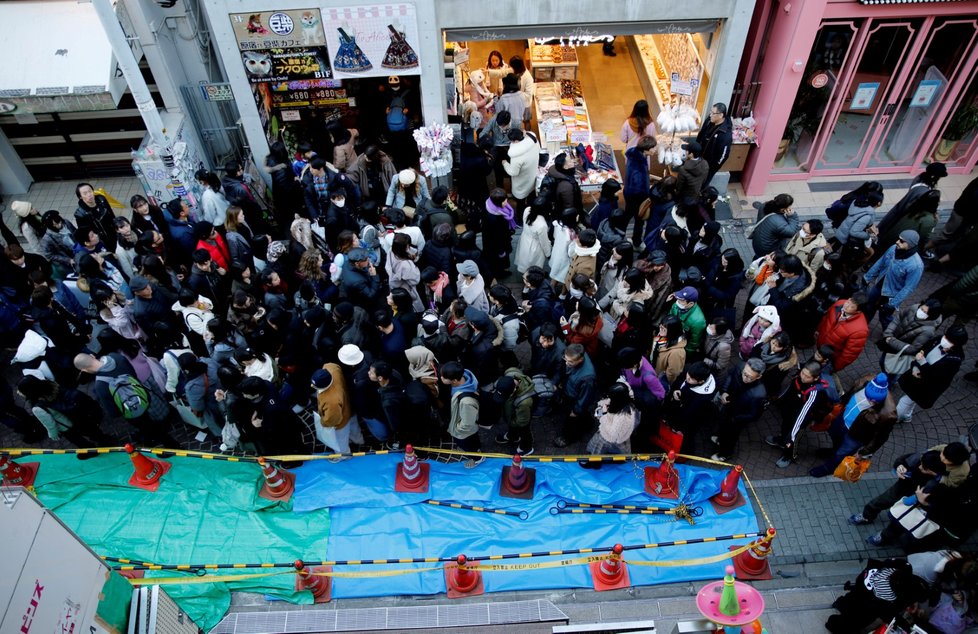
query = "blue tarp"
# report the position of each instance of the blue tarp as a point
(371, 521)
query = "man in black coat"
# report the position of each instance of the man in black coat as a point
(742, 395)
(359, 284)
(715, 137)
(689, 403)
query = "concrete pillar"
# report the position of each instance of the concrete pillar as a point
(733, 32)
(14, 177)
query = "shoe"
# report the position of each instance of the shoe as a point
(928, 255)
(818, 472)
(528, 452)
(503, 439)
(560, 442)
(715, 440)
(485, 426)
(717, 457)
(783, 463)
(472, 463)
(393, 446)
(875, 540)
(858, 520)
(775, 441)
(971, 376)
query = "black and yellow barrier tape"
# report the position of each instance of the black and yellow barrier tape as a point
(523, 515)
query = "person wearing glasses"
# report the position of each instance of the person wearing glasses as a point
(715, 137)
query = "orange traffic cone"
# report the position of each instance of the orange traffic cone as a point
(663, 481)
(411, 475)
(148, 470)
(729, 497)
(18, 474)
(752, 563)
(517, 481)
(462, 581)
(279, 483)
(610, 573)
(321, 587)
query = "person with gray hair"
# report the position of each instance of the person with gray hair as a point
(742, 397)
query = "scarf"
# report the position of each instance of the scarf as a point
(419, 362)
(506, 211)
(440, 284)
(857, 405)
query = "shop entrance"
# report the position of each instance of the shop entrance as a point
(878, 94)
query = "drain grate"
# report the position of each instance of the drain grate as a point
(395, 618)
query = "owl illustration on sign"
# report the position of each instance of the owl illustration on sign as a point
(311, 34)
(257, 64)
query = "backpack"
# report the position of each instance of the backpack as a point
(523, 333)
(548, 191)
(838, 211)
(131, 398)
(543, 389)
(397, 121)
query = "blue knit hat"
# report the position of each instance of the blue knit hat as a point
(877, 389)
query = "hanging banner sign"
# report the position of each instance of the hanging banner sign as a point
(278, 65)
(372, 40)
(278, 29)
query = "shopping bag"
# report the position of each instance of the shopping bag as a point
(914, 519)
(667, 438)
(230, 436)
(852, 468)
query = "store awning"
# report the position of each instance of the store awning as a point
(576, 31)
(56, 59)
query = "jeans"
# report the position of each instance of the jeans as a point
(905, 408)
(843, 444)
(378, 429)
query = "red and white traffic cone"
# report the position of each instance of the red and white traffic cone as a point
(517, 481)
(752, 563)
(18, 474)
(663, 481)
(462, 581)
(610, 573)
(729, 497)
(279, 484)
(148, 470)
(321, 587)
(412, 474)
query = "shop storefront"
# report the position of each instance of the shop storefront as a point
(295, 65)
(878, 88)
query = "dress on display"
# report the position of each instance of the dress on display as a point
(399, 52)
(349, 57)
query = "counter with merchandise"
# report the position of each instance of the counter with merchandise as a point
(551, 63)
(657, 57)
(564, 125)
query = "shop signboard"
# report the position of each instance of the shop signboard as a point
(678, 86)
(299, 28)
(283, 64)
(305, 93)
(372, 40)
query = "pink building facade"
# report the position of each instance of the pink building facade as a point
(861, 87)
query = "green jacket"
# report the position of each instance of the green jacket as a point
(694, 325)
(962, 299)
(518, 408)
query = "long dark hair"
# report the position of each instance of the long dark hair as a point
(209, 178)
(674, 329)
(641, 115)
(34, 389)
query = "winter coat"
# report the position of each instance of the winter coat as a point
(694, 325)
(614, 430)
(396, 196)
(670, 359)
(542, 301)
(645, 380)
(345, 156)
(900, 277)
(907, 330)
(962, 299)
(242, 256)
(717, 352)
(100, 219)
(934, 379)
(405, 274)
(691, 176)
(333, 403)
(473, 293)
(562, 252)
(429, 215)
(578, 386)
(213, 207)
(692, 409)
(787, 290)
(524, 157)
(360, 288)
(358, 173)
(183, 241)
(746, 401)
(585, 260)
(608, 235)
(923, 222)
(636, 173)
(716, 140)
(517, 410)
(568, 191)
(512, 102)
(218, 249)
(483, 352)
(534, 246)
(847, 338)
(810, 252)
(771, 234)
(58, 247)
(630, 135)
(623, 296)
(855, 225)
(438, 255)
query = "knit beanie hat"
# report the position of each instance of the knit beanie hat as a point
(22, 208)
(877, 389)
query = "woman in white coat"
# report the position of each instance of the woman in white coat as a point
(534, 246)
(565, 232)
(213, 205)
(524, 157)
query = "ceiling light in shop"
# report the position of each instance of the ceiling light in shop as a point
(573, 40)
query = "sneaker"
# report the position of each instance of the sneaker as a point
(560, 442)
(472, 463)
(929, 255)
(717, 457)
(481, 426)
(783, 463)
(393, 446)
(775, 441)
(528, 452)
(502, 439)
(715, 440)
(875, 540)
(858, 520)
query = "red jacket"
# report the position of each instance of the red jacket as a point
(847, 338)
(218, 250)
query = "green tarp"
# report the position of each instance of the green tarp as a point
(205, 512)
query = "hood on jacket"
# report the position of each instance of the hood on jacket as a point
(769, 313)
(707, 387)
(587, 251)
(522, 148)
(470, 384)
(419, 362)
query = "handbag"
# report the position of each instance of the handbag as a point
(914, 519)
(667, 438)
(608, 325)
(852, 468)
(645, 209)
(230, 436)
(897, 363)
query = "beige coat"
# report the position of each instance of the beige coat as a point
(333, 403)
(671, 360)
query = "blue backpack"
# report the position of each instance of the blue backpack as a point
(397, 121)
